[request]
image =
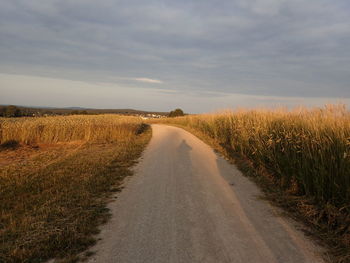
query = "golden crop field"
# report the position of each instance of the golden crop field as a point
(106, 127)
(303, 152)
(56, 175)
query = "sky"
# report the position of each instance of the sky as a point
(159, 55)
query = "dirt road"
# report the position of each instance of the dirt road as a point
(187, 204)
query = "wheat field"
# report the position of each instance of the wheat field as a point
(108, 127)
(307, 150)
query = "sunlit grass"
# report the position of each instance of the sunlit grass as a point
(306, 149)
(56, 179)
(108, 127)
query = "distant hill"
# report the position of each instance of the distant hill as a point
(38, 110)
(74, 108)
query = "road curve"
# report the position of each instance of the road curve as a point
(187, 204)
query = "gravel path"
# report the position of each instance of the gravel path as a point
(187, 204)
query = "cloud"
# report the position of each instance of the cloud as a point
(281, 48)
(263, 7)
(147, 80)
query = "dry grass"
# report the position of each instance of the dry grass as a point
(53, 195)
(108, 127)
(303, 154)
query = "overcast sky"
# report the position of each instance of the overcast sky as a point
(157, 55)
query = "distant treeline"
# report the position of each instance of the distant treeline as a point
(12, 111)
(19, 111)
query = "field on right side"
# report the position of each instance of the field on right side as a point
(301, 158)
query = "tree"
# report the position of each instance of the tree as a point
(176, 113)
(12, 111)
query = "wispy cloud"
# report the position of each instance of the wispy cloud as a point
(148, 80)
(43, 91)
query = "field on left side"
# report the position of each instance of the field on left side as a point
(56, 176)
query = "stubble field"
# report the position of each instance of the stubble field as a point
(56, 176)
